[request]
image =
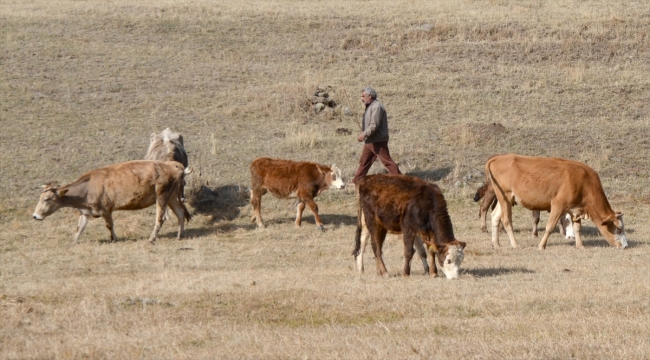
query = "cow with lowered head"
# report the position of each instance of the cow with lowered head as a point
(551, 184)
(414, 208)
(286, 178)
(130, 185)
(168, 146)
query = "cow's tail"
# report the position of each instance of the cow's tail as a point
(180, 193)
(357, 236)
(186, 213)
(489, 177)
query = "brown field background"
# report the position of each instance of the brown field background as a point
(84, 83)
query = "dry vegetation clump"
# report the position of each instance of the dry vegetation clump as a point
(84, 83)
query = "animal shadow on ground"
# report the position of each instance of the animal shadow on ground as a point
(587, 233)
(119, 239)
(431, 175)
(496, 271)
(220, 203)
(329, 220)
(336, 220)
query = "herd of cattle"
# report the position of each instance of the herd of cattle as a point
(571, 191)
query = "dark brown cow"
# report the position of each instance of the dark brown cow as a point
(551, 184)
(286, 178)
(488, 200)
(413, 207)
(130, 185)
(168, 146)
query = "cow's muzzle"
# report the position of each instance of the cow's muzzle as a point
(37, 217)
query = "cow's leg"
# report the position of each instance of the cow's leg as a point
(506, 219)
(299, 208)
(377, 241)
(408, 237)
(482, 214)
(108, 218)
(576, 232)
(81, 225)
(489, 200)
(177, 208)
(161, 205)
(431, 259)
(365, 236)
(256, 203)
(422, 252)
(535, 214)
(314, 209)
(553, 218)
(566, 227)
(496, 222)
(561, 226)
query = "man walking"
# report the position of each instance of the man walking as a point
(375, 135)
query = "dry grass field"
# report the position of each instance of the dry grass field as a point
(83, 83)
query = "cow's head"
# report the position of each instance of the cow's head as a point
(480, 192)
(615, 226)
(334, 179)
(49, 201)
(450, 256)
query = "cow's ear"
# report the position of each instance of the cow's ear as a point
(609, 219)
(61, 193)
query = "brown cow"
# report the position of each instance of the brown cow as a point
(286, 178)
(130, 185)
(413, 207)
(555, 185)
(489, 201)
(168, 146)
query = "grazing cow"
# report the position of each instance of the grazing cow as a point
(130, 185)
(413, 207)
(489, 201)
(556, 185)
(168, 146)
(286, 178)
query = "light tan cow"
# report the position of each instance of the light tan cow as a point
(168, 146)
(130, 185)
(555, 185)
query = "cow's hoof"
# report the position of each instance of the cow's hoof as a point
(322, 228)
(541, 247)
(580, 246)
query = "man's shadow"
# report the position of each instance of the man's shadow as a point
(431, 175)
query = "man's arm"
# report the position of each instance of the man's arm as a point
(374, 117)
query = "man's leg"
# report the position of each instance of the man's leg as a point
(365, 162)
(381, 149)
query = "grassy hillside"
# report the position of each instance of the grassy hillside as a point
(84, 83)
